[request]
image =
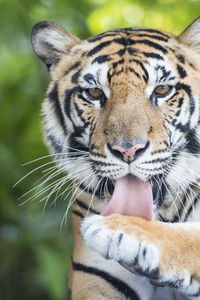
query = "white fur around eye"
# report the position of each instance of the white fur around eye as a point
(161, 100)
(99, 73)
(155, 74)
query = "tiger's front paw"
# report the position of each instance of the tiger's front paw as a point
(133, 251)
(148, 248)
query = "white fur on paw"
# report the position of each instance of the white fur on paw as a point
(138, 253)
(149, 256)
(89, 221)
(95, 235)
(115, 244)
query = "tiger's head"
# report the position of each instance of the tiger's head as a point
(122, 109)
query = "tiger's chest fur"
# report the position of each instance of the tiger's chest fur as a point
(121, 117)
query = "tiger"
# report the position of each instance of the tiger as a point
(122, 119)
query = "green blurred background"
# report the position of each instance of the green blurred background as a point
(34, 251)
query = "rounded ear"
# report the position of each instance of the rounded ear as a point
(191, 35)
(51, 41)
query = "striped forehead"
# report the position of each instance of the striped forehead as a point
(142, 52)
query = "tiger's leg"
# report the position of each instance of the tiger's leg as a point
(167, 254)
(95, 278)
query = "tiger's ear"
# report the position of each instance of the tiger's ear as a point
(51, 41)
(191, 35)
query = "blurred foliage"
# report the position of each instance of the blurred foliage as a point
(35, 253)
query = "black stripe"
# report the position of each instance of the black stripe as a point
(99, 48)
(181, 58)
(136, 73)
(55, 143)
(76, 65)
(155, 160)
(101, 36)
(133, 51)
(53, 96)
(118, 72)
(74, 144)
(159, 151)
(156, 37)
(119, 285)
(181, 71)
(116, 32)
(84, 206)
(121, 52)
(187, 89)
(68, 95)
(101, 59)
(90, 78)
(180, 102)
(79, 113)
(160, 169)
(152, 44)
(78, 213)
(146, 77)
(154, 31)
(192, 145)
(96, 154)
(76, 76)
(123, 41)
(153, 55)
(165, 74)
(115, 64)
(101, 163)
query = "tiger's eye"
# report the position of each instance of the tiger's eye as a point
(162, 90)
(95, 92)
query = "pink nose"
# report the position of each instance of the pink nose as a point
(128, 154)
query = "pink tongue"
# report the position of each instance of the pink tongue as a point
(131, 197)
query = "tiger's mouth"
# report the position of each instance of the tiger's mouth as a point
(134, 197)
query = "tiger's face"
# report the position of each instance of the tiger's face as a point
(122, 103)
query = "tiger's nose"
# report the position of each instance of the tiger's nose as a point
(128, 154)
(128, 151)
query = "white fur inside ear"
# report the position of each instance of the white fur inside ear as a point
(194, 33)
(54, 39)
(191, 35)
(51, 41)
